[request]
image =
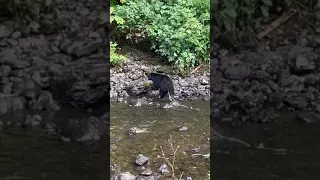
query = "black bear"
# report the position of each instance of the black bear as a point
(161, 82)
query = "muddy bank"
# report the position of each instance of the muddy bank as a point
(280, 74)
(60, 60)
(129, 80)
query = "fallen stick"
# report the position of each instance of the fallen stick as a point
(276, 23)
(195, 69)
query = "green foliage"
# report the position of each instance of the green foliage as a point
(116, 59)
(25, 8)
(113, 17)
(177, 29)
(240, 17)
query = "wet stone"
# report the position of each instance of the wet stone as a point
(126, 176)
(141, 159)
(296, 102)
(11, 59)
(12, 42)
(4, 31)
(5, 70)
(89, 48)
(6, 88)
(34, 120)
(237, 72)
(304, 64)
(183, 128)
(147, 178)
(204, 82)
(114, 178)
(16, 35)
(146, 172)
(164, 169)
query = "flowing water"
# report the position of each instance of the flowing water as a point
(26, 154)
(300, 160)
(157, 125)
(33, 154)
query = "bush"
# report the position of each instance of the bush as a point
(25, 8)
(176, 29)
(116, 59)
(241, 17)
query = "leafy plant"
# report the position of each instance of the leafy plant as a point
(113, 17)
(115, 58)
(177, 29)
(241, 17)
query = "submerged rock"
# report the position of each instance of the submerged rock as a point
(86, 129)
(164, 169)
(126, 176)
(141, 159)
(147, 172)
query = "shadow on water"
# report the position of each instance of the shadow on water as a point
(160, 124)
(301, 160)
(34, 154)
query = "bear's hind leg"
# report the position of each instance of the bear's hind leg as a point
(163, 93)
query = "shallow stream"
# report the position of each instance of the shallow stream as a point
(156, 125)
(298, 157)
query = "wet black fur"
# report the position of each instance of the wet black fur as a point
(161, 82)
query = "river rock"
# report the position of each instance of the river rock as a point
(88, 48)
(164, 169)
(85, 129)
(5, 70)
(237, 72)
(296, 102)
(33, 120)
(10, 58)
(9, 103)
(4, 31)
(126, 176)
(304, 64)
(148, 178)
(146, 172)
(141, 159)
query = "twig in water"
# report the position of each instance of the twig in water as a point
(181, 176)
(174, 156)
(231, 139)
